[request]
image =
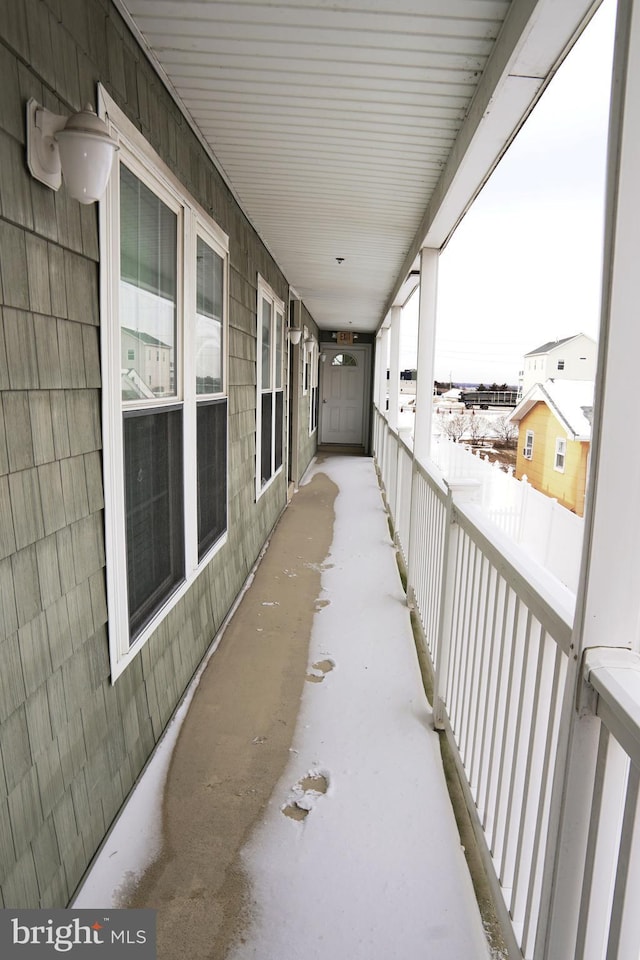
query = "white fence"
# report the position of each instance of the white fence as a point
(498, 631)
(548, 532)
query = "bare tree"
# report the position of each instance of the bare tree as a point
(454, 425)
(505, 430)
(478, 428)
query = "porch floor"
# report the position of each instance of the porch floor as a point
(298, 798)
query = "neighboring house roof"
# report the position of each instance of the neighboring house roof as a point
(552, 344)
(571, 401)
(145, 338)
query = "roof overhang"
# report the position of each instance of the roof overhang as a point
(538, 394)
(352, 137)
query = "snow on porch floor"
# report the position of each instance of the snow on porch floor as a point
(357, 856)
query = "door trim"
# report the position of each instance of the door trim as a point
(363, 350)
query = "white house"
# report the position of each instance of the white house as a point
(572, 358)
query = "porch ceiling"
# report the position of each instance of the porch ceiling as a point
(358, 129)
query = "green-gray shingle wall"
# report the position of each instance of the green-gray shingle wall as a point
(71, 743)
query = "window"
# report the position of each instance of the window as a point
(306, 371)
(561, 452)
(165, 280)
(346, 360)
(313, 386)
(560, 364)
(270, 405)
(528, 445)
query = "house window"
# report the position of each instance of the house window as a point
(313, 384)
(560, 364)
(561, 452)
(211, 426)
(306, 372)
(528, 445)
(270, 405)
(165, 282)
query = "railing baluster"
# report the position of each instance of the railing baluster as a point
(624, 931)
(542, 814)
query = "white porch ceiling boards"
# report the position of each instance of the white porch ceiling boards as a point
(336, 123)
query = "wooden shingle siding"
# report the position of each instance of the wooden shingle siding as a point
(72, 744)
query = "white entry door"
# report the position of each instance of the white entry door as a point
(344, 375)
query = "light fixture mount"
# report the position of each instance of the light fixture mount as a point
(77, 146)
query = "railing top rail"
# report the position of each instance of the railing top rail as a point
(552, 604)
(433, 477)
(613, 674)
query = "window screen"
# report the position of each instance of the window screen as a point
(153, 509)
(212, 473)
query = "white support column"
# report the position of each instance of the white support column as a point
(608, 603)
(426, 352)
(383, 383)
(394, 367)
(377, 363)
(428, 294)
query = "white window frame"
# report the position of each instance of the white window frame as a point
(528, 445)
(313, 386)
(265, 292)
(560, 454)
(136, 153)
(306, 361)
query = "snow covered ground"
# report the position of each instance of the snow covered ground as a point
(358, 855)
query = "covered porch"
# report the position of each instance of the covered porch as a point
(317, 161)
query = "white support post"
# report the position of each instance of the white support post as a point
(426, 352)
(608, 603)
(377, 364)
(394, 368)
(383, 383)
(424, 388)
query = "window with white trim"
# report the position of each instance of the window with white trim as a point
(313, 386)
(528, 445)
(165, 293)
(306, 369)
(560, 455)
(270, 388)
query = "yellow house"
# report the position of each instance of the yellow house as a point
(554, 435)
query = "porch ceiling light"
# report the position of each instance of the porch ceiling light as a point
(78, 147)
(294, 334)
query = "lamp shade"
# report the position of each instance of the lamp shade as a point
(294, 334)
(86, 155)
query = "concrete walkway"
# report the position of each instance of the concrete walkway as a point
(305, 813)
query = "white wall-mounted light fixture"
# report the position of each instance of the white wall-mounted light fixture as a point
(294, 334)
(78, 148)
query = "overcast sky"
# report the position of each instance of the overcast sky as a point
(530, 248)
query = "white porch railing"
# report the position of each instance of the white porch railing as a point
(498, 631)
